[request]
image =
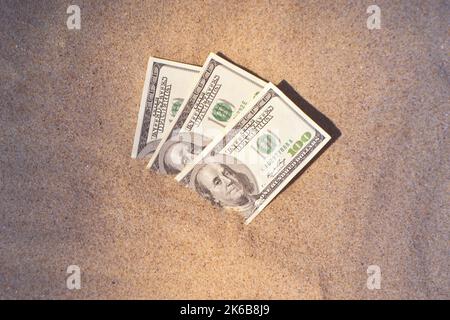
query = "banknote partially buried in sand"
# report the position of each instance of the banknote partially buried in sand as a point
(165, 88)
(262, 150)
(220, 93)
(235, 139)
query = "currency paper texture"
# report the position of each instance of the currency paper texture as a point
(220, 94)
(262, 150)
(166, 86)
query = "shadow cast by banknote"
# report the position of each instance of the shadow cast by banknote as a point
(318, 117)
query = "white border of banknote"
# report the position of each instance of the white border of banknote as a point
(289, 171)
(210, 64)
(154, 66)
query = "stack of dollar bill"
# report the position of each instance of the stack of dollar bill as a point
(232, 137)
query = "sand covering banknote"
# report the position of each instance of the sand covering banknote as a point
(234, 139)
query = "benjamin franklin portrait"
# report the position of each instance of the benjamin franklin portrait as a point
(179, 151)
(226, 185)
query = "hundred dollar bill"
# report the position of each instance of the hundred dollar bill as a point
(263, 149)
(166, 86)
(221, 92)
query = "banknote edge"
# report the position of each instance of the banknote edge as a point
(142, 106)
(324, 140)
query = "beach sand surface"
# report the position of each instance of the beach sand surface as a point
(71, 195)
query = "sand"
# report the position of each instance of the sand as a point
(71, 195)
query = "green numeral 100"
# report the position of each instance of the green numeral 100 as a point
(298, 145)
